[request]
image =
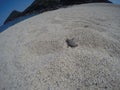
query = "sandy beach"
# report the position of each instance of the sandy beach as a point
(34, 54)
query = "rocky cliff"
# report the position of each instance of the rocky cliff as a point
(45, 5)
(12, 16)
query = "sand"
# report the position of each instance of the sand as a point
(34, 54)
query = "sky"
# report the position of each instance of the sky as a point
(7, 6)
(115, 1)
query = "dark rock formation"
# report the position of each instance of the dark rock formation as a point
(70, 2)
(39, 5)
(45, 5)
(12, 16)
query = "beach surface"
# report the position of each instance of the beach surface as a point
(73, 48)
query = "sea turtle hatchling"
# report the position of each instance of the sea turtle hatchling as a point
(71, 43)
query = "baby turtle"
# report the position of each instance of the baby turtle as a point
(71, 43)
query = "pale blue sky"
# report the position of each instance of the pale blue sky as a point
(115, 1)
(7, 6)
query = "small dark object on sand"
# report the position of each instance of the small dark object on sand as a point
(71, 43)
(86, 26)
